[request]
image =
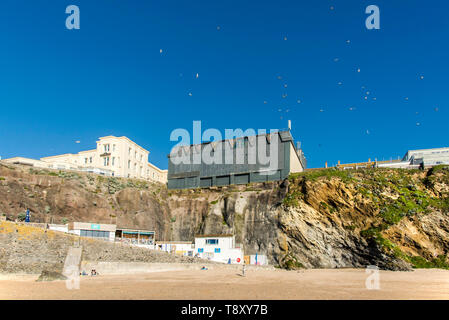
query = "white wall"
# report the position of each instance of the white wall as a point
(295, 164)
(77, 232)
(59, 227)
(221, 252)
(176, 247)
(261, 259)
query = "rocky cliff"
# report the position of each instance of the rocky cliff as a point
(324, 219)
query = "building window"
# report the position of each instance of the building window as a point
(129, 151)
(113, 147)
(106, 161)
(200, 250)
(85, 160)
(212, 241)
(129, 165)
(94, 234)
(106, 148)
(135, 154)
(113, 161)
(90, 159)
(217, 250)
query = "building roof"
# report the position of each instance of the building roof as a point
(430, 149)
(174, 242)
(282, 134)
(411, 152)
(59, 156)
(134, 229)
(154, 167)
(18, 158)
(123, 138)
(93, 150)
(213, 235)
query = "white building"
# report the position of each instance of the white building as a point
(430, 157)
(137, 237)
(421, 158)
(258, 259)
(113, 156)
(184, 248)
(220, 248)
(93, 230)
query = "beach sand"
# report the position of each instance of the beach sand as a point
(229, 284)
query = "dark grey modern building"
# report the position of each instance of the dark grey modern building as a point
(259, 158)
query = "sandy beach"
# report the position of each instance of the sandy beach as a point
(344, 284)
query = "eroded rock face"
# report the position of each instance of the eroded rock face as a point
(315, 220)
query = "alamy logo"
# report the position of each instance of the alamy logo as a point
(73, 20)
(71, 268)
(73, 277)
(372, 282)
(373, 20)
(238, 147)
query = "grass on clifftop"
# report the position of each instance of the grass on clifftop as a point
(314, 175)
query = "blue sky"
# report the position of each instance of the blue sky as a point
(58, 86)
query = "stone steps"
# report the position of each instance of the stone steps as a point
(72, 261)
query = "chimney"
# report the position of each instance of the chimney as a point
(298, 145)
(289, 124)
(325, 165)
(369, 159)
(338, 162)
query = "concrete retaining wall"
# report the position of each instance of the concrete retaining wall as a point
(141, 267)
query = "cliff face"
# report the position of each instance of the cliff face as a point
(324, 219)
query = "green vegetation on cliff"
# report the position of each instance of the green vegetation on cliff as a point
(386, 197)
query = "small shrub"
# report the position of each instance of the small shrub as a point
(439, 262)
(290, 262)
